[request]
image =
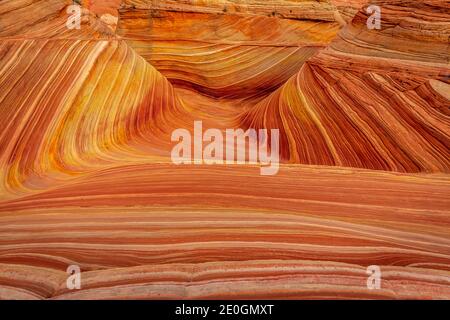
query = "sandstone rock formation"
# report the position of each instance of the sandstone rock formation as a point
(86, 177)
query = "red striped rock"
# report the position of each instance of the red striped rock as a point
(86, 177)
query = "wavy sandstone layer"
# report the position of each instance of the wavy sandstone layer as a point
(372, 99)
(85, 171)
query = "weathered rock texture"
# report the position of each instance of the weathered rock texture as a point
(85, 171)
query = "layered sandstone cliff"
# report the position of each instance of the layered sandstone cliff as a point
(86, 177)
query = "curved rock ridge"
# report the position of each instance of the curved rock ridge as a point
(47, 19)
(86, 178)
(53, 128)
(223, 55)
(370, 100)
(326, 225)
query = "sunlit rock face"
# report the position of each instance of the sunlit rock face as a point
(86, 178)
(379, 91)
(225, 55)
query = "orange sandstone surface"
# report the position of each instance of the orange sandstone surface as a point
(86, 178)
